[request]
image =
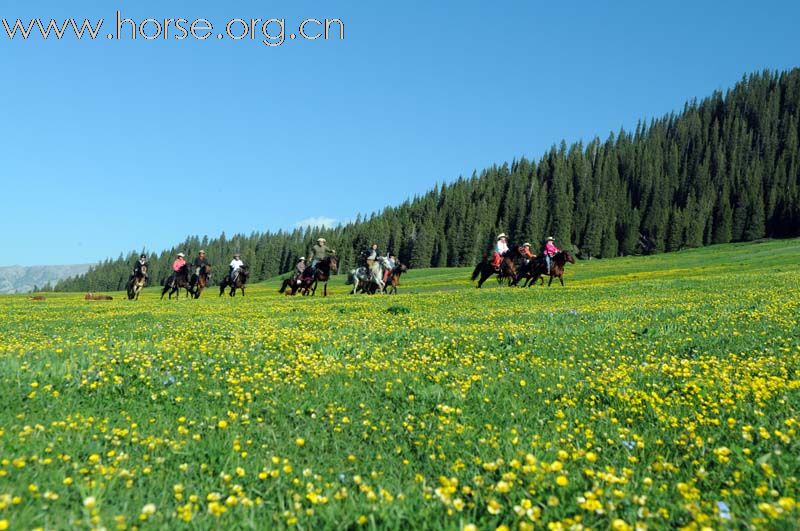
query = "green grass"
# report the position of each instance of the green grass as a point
(646, 392)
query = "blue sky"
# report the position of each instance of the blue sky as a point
(108, 146)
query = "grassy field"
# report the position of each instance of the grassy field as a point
(652, 392)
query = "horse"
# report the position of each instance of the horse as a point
(368, 279)
(557, 263)
(200, 281)
(136, 283)
(507, 271)
(176, 281)
(237, 283)
(394, 278)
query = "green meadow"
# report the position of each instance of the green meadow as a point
(652, 392)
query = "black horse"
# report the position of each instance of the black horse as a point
(238, 281)
(507, 271)
(177, 281)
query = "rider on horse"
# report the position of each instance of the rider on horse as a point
(320, 251)
(549, 250)
(500, 248)
(372, 255)
(200, 262)
(391, 263)
(299, 268)
(179, 262)
(137, 267)
(526, 253)
(235, 265)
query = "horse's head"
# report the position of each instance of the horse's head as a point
(143, 269)
(334, 264)
(568, 257)
(402, 268)
(245, 270)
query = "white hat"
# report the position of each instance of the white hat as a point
(321, 240)
(526, 244)
(201, 252)
(502, 235)
(551, 239)
(181, 255)
(302, 258)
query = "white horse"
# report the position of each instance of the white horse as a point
(361, 277)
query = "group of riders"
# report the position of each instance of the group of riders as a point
(190, 276)
(548, 251)
(516, 264)
(373, 272)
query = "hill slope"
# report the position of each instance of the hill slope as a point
(725, 169)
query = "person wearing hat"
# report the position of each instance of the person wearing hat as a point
(179, 262)
(234, 266)
(525, 251)
(137, 267)
(500, 248)
(549, 251)
(320, 251)
(299, 268)
(200, 262)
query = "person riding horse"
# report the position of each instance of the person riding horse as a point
(299, 268)
(548, 251)
(137, 268)
(320, 251)
(200, 262)
(500, 249)
(177, 265)
(235, 265)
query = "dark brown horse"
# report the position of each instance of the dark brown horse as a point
(306, 284)
(322, 273)
(176, 281)
(557, 263)
(237, 283)
(507, 271)
(200, 281)
(394, 278)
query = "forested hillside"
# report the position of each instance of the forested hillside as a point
(724, 169)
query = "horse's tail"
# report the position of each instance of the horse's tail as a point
(283, 286)
(477, 271)
(351, 278)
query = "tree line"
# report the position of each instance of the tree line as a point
(726, 168)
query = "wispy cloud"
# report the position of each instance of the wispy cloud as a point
(317, 221)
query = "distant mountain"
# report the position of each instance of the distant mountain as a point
(19, 279)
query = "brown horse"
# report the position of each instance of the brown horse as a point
(394, 278)
(507, 271)
(557, 263)
(200, 281)
(136, 283)
(324, 269)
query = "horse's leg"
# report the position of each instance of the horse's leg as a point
(550, 281)
(325, 289)
(561, 278)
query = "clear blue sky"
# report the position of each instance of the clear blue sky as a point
(109, 146)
